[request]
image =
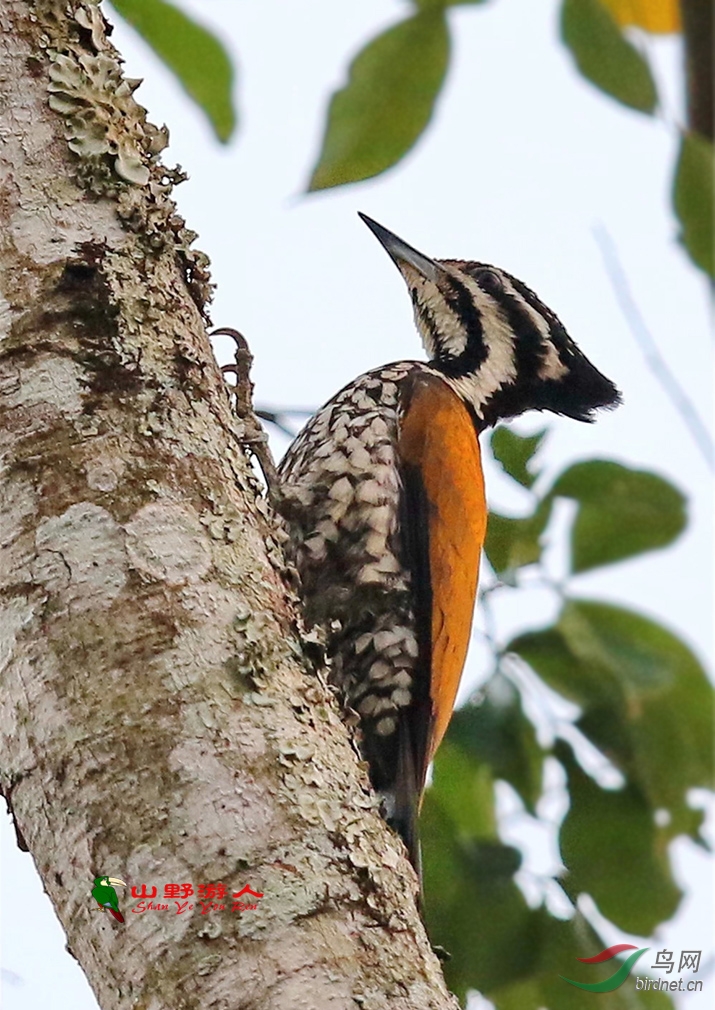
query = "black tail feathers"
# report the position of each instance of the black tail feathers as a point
(403, 801)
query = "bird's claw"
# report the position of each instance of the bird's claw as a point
(240, 395)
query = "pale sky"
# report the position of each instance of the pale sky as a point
(523, 160)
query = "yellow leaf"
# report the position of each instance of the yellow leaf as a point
(657, 16)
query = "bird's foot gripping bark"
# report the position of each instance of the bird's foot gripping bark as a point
(240, 395)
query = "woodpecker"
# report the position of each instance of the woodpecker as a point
(383, 494)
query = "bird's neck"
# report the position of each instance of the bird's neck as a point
(484, 391)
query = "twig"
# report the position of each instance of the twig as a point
(278, 416)
(490, 628)
(649, 348)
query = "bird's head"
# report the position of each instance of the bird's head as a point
(495, 342)
(108, 881)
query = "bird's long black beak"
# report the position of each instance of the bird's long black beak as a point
(402, 253)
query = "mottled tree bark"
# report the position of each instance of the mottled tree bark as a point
(160, 721)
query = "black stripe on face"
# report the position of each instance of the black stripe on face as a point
(525, 391)
(461, 302)
(557, 330)
(529, 346)
(577, 393)
(429, 322)
(582, 389)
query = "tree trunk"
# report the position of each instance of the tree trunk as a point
(160, 721)
(698, 37)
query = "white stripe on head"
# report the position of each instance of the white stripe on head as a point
(551, 367)
(499, 367)
(452, 333)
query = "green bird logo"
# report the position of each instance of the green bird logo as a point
(106, 897)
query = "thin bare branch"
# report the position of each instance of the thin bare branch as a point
(280, 417)
(649, 347)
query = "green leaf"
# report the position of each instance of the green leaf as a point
(387, 103)
(605, 56)
(195, 56)
(512, 954)
(614, 851)
(473, 907)
(466, 867)
(498, 945)
(688, 821)
(465, 791)
(494, 732)
(647, 702)
(513, 543)
(621, 512)
(693, 199)
(514, 452)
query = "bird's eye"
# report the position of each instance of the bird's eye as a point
(490, 281)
